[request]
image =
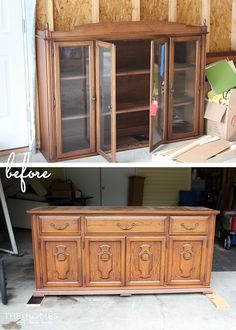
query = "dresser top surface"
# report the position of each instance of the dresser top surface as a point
(122, 210)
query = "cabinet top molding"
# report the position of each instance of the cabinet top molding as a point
(124, 30)
(141, 210)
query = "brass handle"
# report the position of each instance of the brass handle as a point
(59, 228)
(190, 228)
(119, 225)
(188, 255)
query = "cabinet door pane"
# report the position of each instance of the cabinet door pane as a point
(145, 264)
(106, 102)
(105, 261)
(187, 260)
(74, 99)
(61, 262)
(184, 87)
(159, 76)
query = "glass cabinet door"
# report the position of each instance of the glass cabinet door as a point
(106, 100)
(74, 90)
(185, 60)
(159, 88)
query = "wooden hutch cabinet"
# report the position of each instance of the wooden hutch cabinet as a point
(109, 87)
(102, 250)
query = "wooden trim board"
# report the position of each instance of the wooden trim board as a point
(201, 153)
(17, 151)
(198, 151)
(218, 301)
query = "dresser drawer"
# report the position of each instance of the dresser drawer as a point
(189, 225)
(59, 225)
(131, 224)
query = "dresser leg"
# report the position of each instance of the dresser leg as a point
(210, 291)
(125, 295)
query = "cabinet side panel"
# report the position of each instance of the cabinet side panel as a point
(210, 250)
(36, 252)
(43, 97)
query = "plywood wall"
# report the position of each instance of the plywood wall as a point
(189, 12)
(115, 10)
(68, 13)
(221, 24)
(154, 9)
(41, 14)
(77, 12)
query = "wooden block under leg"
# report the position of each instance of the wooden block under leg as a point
(125, 295)
(35, 301)
(218, 301)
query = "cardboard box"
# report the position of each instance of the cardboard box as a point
(221, 119)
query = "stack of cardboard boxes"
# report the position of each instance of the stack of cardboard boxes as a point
(220, 113)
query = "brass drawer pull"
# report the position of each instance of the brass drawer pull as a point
(119, 225)
(190, 228)
(59, 228)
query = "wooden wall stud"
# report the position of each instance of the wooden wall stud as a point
(135, 10)
(50, 14)
(95, 11)
(172, 10)
(233, 31)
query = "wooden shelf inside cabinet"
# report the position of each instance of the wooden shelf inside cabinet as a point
(70, 78)
(130, 142)
(125, 73)
(184, 67)
(182, 100)
(132, 107)
(78, 117)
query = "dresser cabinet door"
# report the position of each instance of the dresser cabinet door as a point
(184, 89)
(159, 90)
(187, 260)
(106, 99)
(61, 262)
(74, 98)
(105, 261)
(145, 261)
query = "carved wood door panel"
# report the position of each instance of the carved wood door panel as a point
(105, 261)
(61, 262)
(145, 263)
(187, 260)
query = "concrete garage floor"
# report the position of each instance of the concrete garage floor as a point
(167, 312)
(142, 155)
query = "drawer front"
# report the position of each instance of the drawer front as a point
(189, 225)
(122, 224)
(59, 225)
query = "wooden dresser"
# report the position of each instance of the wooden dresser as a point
(122, 250)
